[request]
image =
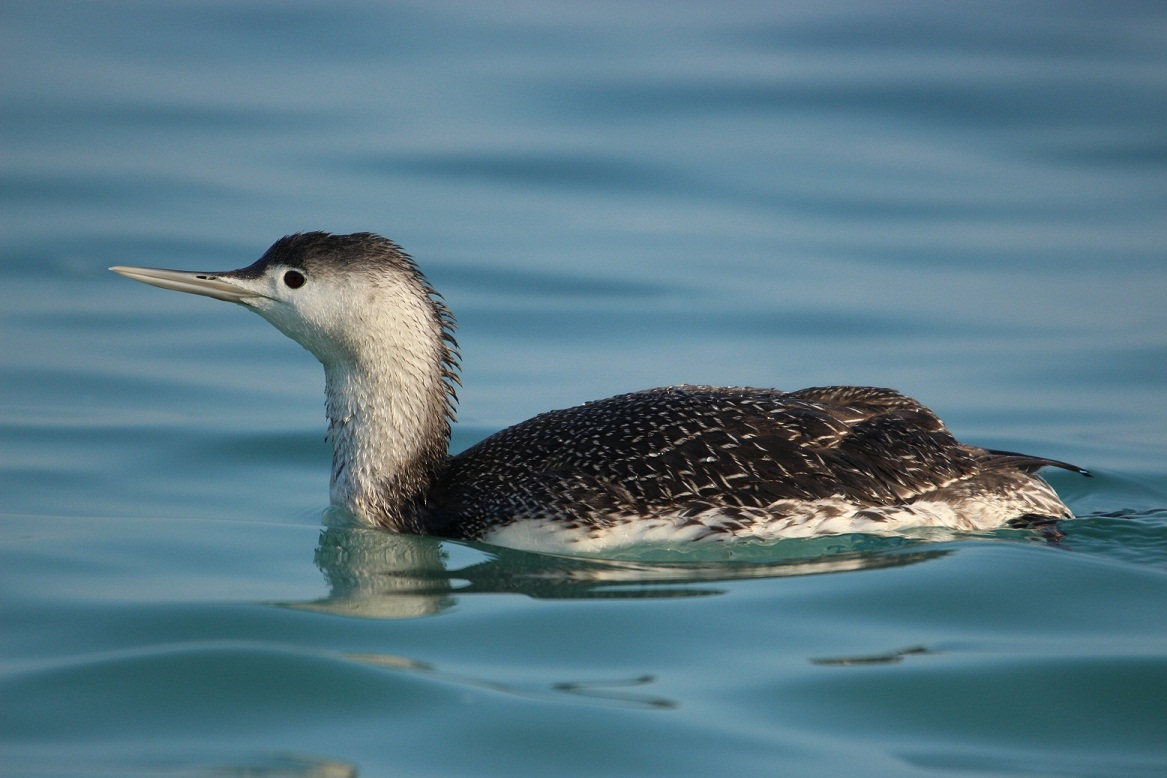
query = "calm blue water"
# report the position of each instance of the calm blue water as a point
(968, 203)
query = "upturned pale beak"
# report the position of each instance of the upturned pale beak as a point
(215, 285)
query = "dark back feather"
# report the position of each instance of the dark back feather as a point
(689, 448)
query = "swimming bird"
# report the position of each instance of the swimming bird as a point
(668, 465)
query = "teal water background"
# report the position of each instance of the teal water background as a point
(967, 202)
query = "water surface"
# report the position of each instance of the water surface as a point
(964, 203)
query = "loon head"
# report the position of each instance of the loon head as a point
(347, 299)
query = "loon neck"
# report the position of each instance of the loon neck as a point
(389, 427)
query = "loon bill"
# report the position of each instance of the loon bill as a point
(668, 465)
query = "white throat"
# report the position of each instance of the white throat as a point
(386, 364)
(389, 434)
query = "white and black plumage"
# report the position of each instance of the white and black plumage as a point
(664, 465)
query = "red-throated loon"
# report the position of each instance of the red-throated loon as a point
(670, 465)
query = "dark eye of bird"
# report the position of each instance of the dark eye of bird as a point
(294, 279)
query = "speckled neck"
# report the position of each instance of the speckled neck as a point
(390, 435)
(389, 399)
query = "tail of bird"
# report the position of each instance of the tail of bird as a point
(1027, 463)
